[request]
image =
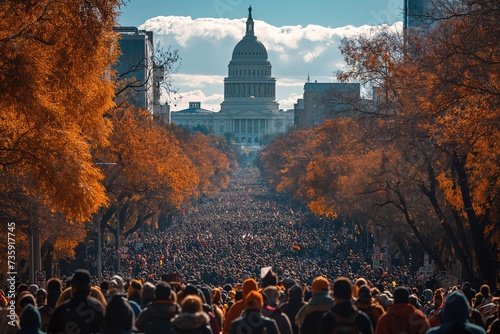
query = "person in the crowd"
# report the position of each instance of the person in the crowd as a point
(435, 313)
(234, 312)
(156, 317)
(135, 291)
(485, 290)
(455, 317)
(469, 292)
(251, 320)
(81, 312)
(30, 321)
(33, 288)
(54, 289)
(344, 316)
(218, 306)
(293, 305)
(192, 319)
(309, 316)
(402, 316)
(119, 317)
(273, 311)
(191, 289)
(148, 294)
(367, 304)
(41, 297)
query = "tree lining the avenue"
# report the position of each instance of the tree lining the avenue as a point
(423, 164)
(73, 151)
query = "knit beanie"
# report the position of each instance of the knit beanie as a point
(249, 285)
(320, 283)
(253, 300)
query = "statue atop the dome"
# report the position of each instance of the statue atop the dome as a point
(250, 11)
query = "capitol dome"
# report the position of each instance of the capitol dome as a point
(249, 84)
(249, 47)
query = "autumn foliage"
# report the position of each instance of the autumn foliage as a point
(423, 162)
(68, 154)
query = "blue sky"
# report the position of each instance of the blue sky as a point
(302, 38)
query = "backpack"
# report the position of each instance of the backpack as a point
(345, 325)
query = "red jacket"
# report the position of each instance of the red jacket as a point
(402, 318)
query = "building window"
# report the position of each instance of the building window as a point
(256, 140)
(237, 139)
(249, 140)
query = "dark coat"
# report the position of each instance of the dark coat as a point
(252, 321)
(81, 312)
(345, 310)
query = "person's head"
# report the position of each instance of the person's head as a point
(80, 282)
(456, 307)
(54, 289)
(33, 288)
(192, 304)
(30, 320)
(272, 295)
(364, 295)
(216, 295)
(401, 295)
(485, 290)
(135, 291)
(21, 288)
(162, 291)
(295, 293)
(438, 298)
(27, 299)
(119, 313)
(148, 293)
(271, 279)
(253, 301)
(118, 283)
(320, 283)
(249, 285)
(342, 289)
(41, 297)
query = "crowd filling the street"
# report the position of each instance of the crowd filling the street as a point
(247, 260)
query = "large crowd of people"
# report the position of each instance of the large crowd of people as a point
(246, 261)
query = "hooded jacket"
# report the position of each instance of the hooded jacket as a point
(345, 310)
(455, 315)
(308, 317)
(293, 305)
(30, 321)
(402, 317)
(238, 307)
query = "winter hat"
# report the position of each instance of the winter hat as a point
(249, 285)
(295, 293)
(288, 283)
(30, 321)
(119, 313)
(81, 276)
(320, 283)
(119, 283)
(384, 300)
(253, 300)
(33, 288)
(364, 295)
(401, 295)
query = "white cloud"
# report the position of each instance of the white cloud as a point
(206, 45)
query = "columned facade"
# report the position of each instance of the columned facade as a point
(249, 110)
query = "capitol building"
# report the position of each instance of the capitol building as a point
(249, 111)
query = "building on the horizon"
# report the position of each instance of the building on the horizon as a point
(322, 101)
(194, 117)
(249, 112)
(135, 66)
(418, 14)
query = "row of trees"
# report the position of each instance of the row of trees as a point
(423, 162)
(71, 153)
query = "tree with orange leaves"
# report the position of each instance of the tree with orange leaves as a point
(55, 86)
